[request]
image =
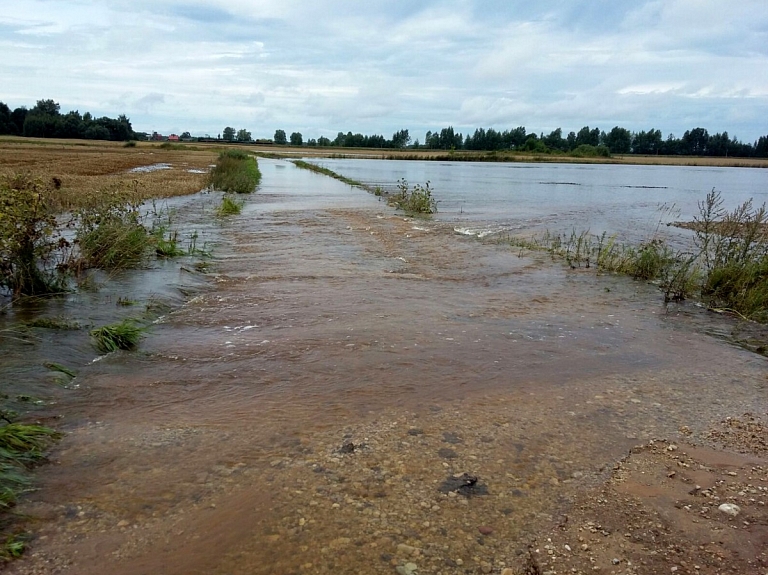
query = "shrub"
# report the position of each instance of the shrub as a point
(418, 200)
(32, 249)
(235, 171)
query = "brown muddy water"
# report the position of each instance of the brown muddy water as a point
(300, 412)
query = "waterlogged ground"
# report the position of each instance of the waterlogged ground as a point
(303, 413)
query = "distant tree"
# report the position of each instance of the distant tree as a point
(46, 107)
(243, 135)
(761, 147)
(647, 142)
(18, 116)
(6, 125)
(185, 135)
(228, 134)
(312, 142)
(618, 140)
(96, 132)
(296, 139)
(323, 141)
(587, 136)
(555, 140)
(695, 142)
(401, 139)
(280, 137)
(416, 144)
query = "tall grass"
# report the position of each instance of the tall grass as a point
(235, 171)
(326, 172)
(229, 207)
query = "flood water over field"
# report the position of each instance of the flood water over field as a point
(299, 413)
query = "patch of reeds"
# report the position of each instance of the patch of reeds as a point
(235, 171)
(124, 335)
(229, 207)
(415, 200)
(60, 323)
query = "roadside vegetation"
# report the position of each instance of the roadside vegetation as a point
(236, 172)
(727, 270)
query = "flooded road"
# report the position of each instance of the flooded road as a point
(301, 414)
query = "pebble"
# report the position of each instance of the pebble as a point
(485, 530)
(730, 509)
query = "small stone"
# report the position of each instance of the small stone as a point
(507, 571)
(122, 523)
(485, 530)
(615, 561)
(730, 509)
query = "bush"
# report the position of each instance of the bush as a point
(418, 200)
(32, 250)
(235, 171)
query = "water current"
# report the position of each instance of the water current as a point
(296, 409)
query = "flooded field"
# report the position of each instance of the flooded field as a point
(352, 391)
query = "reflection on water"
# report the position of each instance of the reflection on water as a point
(330, 320)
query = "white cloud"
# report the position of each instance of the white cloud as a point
(340, 65)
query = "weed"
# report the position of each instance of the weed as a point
(126, 302)
(129, 144)
(229, 207)
(167, 246)
(417, 200)
(326, 172)
(124, 335)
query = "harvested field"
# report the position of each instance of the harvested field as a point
(84, 168)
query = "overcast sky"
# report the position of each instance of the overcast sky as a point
(323, 66)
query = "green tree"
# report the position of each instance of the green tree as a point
(228, 134)
(296, 139)
(185, 135)
(401, 139)
(243, 135)
(280, 137)
(323, 141)
(619, 140)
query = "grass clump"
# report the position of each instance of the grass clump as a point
(109, 232)
(124, 335)
(416, 200)
(60, 323)
(229, 207)
(235, 171)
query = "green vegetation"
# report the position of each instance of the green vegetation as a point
(416, 200)
(32, 249)
(54, 323)
(728, 270)
(21, 447)
(110, 234)
(229, 207)
(326, 172)
(124, 335)
(235, 171)
(167, 246)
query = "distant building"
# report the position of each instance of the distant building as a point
(173, 138)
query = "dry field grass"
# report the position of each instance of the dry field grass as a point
(86, 169)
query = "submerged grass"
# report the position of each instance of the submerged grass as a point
(235, 171)
(728, 269)
(21, 447)
(327, 172)
(124, 335)
(229, 207)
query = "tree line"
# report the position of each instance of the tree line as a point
(45, 120)
(695, 142)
